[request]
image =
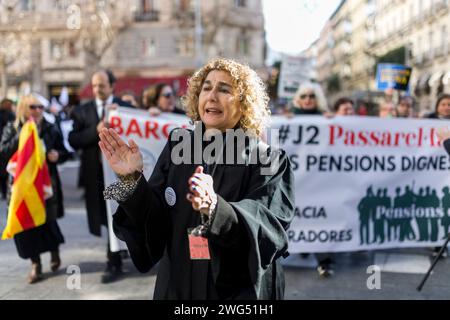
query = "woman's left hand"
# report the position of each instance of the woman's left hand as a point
(201, 191)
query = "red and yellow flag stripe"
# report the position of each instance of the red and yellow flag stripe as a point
(31, 182)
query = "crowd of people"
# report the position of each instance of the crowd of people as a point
(221, 95)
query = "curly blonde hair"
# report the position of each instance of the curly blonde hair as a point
(250, 91)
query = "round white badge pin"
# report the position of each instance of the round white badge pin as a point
(170, 196)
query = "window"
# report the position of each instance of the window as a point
(27, 5)
(185, 5)
(240, 3)
(60, 49)
(444, 40)
(185, 46)
(72, 49)
(347, 26)
(431, 45)
(147, 6)
(61, 4)
(56, 49)
(148, 47)
(243, 44)
(147, 11)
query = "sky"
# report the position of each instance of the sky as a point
(292, 25)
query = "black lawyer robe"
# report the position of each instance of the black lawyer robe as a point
(246, 239)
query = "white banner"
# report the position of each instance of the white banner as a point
(150, 134)
(366, 183)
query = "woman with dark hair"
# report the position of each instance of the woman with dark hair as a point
(442, 108)
(344, 107)
(160, 98)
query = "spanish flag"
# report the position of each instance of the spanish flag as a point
(32, 184)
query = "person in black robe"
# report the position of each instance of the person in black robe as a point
(238, 211)
(31, 243)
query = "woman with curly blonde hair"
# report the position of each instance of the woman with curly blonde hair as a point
(217, 230)
(249, 92)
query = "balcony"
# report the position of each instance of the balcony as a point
(152, 15)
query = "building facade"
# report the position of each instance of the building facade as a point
(136, 39)
(417, 30)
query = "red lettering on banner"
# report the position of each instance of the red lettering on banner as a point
(363, 138)
(420, 136)
(338, 135)
(143, 129)
(133, 128)
(116, 123)
(349, 138)
(165, 130)
(386, 139)
(409, 136)
(150, 128)
(374, 138)
(332, 133)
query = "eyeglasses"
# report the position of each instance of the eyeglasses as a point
(36, 106)
(311, 96)
(167, 95)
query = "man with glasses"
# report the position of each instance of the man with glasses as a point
(88, 120)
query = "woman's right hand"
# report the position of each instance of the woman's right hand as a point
(443, 133)
(124, 159)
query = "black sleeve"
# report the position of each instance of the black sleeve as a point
(447, 146)
(263, 216)
(9, 142)
(142, 220)
(82, 135)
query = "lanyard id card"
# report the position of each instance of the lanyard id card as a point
(198, 246)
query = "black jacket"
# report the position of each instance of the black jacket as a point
(246, 239)
(84, 137)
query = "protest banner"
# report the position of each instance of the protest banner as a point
(366, 183)
(150, 134)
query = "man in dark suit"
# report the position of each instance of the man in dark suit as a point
(88, 120)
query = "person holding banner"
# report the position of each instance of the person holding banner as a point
(160, 98)
(88, 120)
(32, 242)
(217, 230)
(308, 100)
(442, 108)
(405, 108)
(344, 107)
